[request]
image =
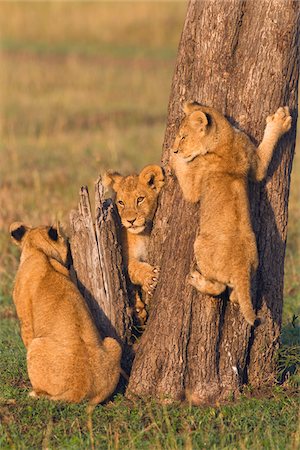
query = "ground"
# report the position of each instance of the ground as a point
(84, 87)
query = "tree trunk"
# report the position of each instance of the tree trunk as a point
(98, 267)
(241, 58)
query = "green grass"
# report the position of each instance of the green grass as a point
(269, 423)
(81, 92)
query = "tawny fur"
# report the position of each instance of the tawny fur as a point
(136, 200)
(66, 358)
(212, 161)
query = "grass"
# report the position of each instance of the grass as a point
(268, 423)
(84, 87)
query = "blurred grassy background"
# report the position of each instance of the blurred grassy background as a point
(84, 86)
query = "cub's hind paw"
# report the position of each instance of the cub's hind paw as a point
(280, 122)
(203, 285)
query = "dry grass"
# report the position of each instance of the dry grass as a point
(81, 91)
(143, 26)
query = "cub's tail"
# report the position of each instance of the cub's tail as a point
(243, 294)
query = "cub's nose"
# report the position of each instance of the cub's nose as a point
(131, 221)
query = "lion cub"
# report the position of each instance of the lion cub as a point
(212, 161)
(136, 200)
(66, 358)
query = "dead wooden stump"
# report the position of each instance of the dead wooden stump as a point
(98, 267)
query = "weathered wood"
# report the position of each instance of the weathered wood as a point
(98, 265)
(240, 57)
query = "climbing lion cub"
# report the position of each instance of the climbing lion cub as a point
(212, 161)
(136, 200)
(66, 358)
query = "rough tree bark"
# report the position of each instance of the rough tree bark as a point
(98, 267)
(240, 57)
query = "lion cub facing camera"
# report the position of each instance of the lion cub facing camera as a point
(212, 160)
(136, 200)
(66, 358)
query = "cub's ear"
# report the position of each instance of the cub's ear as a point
(153, 177)
(17, 231)
(53, 234)
(199, 120)
(190, 106)
(111, 180)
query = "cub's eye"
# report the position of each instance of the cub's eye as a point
(121, 203)
(140, 200)
(182, 138)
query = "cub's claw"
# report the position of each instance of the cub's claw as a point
(150, 281)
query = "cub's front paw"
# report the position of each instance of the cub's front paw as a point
(150, 279)
(280, 122)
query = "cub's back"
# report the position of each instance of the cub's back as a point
(57, 307)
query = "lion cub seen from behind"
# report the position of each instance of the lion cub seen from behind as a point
(66, 358)
(212, 160)
(136, 200)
